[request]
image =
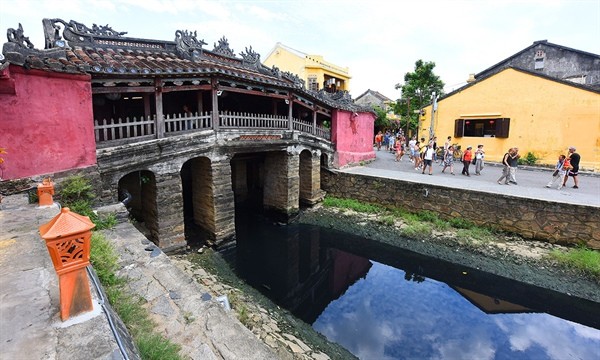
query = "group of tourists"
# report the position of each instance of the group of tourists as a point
(423, 154)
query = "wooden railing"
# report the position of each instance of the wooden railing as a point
(110, 130)
(178, 123)
(117, 129)
(253, 121)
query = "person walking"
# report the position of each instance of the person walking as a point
(428, 159)
(449, 159)
(411, 148)
(466, 159)
(506, 169)
(417, 155)
(574, 159)
(479, 155)
(514, 162)
(378, 140)
(559, 173)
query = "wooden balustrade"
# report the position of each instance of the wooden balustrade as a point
(109, 130)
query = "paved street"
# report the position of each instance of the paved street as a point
(531, 181)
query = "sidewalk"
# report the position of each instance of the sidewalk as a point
(29, 302)
(531, 181)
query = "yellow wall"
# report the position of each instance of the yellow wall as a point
(546, 117)
(305, 65)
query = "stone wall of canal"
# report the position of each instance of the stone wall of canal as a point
(531, 218)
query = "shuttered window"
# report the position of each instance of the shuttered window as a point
(482, 127)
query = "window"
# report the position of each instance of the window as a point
(482, 127)
(312, 83)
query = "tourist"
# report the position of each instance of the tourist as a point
(574, 159)
(479, 155)
(513, 161)
(399, 149)
(466, 159)
(428, 159)
(386, 140)
(434, 146)
(411, 148)
(506, 169)
(559, 172)
(448, 159)
(391, 142)
(378, 140)
(417, 155)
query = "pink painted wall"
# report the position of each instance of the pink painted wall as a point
(353, 135)
(47, 125)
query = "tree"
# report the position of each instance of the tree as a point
(418, 86)
(381, 122)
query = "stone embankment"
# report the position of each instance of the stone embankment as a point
(184, 301)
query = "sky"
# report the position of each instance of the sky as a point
(378, 40)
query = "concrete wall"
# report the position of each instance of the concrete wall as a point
(546, 117)
(353, 136)
(534, 219)
(51, 134)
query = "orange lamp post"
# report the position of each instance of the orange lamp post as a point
(67, 238)
(45, 190)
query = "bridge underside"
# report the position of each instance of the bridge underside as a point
(186, 190)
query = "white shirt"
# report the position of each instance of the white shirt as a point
(429, 154)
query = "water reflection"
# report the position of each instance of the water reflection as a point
(395, 304)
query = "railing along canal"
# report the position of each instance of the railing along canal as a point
(107, 130)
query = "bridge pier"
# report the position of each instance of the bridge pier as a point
(168, 229)
(281, 187)
(310, 177)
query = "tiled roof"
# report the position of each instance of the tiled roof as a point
(106, 54)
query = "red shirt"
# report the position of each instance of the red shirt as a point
(468, 155)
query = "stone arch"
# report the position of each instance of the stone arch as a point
(137, 190)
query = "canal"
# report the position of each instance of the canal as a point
(380, 302)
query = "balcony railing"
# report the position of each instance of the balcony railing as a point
(127, 129)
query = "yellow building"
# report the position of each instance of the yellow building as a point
(514, 107)
(317, 73)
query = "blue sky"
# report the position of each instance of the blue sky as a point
(378, 40)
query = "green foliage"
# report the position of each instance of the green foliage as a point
(388, 220)
(418, 87)
(381, 122)
(76, 188)
(582, 258)
(529, 159)
(417, 230)
(460, 223)
(352, 205)
(76, 194)
(154, 346)
(104, 259)
(428, 216)
(479, 234)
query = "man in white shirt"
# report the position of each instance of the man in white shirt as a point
(428, 159)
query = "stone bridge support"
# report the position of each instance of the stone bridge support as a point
(224, 204)
(169, 229)
(310, 177)
(282, 182)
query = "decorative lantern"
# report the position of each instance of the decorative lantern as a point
(67, 238)
(45, 190)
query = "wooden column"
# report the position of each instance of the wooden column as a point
(215, 103)
(314, 127)
(290, 121)
(159, 122)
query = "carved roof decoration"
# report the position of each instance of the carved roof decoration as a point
(105, 54)
(223, 48)
(188, 44)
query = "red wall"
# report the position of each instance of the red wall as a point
(353, 135)
(46, 123)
